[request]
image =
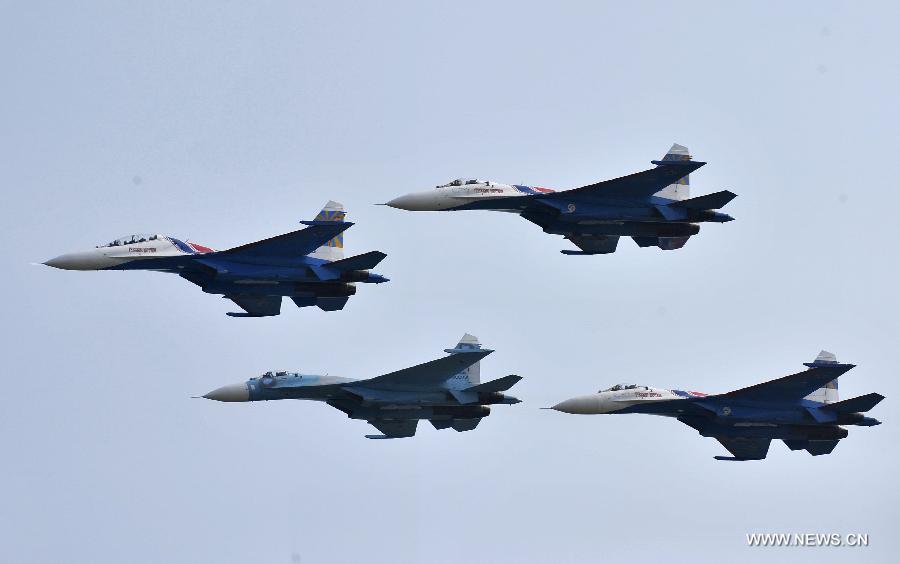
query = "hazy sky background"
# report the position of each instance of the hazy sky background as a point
(227, 122)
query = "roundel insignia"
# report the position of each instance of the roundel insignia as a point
(571, 208)
(726, 411)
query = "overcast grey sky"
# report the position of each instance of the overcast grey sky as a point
(227, 122)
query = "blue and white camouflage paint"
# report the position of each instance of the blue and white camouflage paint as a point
(448, 392)
(802, 409)
(652, 207)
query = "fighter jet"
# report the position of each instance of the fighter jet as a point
(801, 409)
(307, 265)
(652, 207)
(447, 391)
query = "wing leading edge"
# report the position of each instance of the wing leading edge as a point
(637, 185)
(290, 245)
(792, 387)
(425, 376)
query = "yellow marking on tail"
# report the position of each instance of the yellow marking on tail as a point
(333, 215)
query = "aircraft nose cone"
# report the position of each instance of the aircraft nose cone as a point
(80, 261)
(412, 202)
(233, 392)
(582, 405)
(64, 262)
(400, 203)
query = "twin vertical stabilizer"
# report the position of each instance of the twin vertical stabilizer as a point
(681, 188)
(334, 249)
(471, 375)
(829, 392)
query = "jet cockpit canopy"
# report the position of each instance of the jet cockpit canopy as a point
(132, 239)
(461, 182)
(270, 378)
(620, 387)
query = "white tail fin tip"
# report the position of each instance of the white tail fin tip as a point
(825, 356)
(469, 339)
(677, 153)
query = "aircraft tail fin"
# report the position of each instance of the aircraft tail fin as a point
(333, 249)
(829, 392)
(471, 376)
(681, 188)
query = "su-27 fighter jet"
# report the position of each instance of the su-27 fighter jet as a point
(307, 265)
(801, 409)
(448, 392)
(652, 207)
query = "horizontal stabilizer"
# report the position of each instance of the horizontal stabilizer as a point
(364, 261)
(707, 202)
(855, 405)
(498, 385)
